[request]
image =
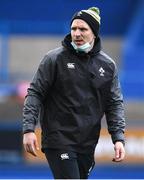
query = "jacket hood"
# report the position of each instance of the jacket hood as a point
(67, 44)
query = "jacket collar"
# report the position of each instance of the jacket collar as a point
(67, 44)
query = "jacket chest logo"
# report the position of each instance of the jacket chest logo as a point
(102, 71)
(71, 65)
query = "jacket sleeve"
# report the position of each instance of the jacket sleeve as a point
(37, 92)
(115, 110)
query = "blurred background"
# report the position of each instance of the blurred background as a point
(28, 30)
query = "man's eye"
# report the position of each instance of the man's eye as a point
(73, 29)
(82, 29)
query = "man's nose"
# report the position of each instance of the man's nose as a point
(77, 33)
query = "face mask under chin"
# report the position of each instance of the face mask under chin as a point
(83, 48)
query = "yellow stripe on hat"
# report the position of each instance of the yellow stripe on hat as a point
(93, 14)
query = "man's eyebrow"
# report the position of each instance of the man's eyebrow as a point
(75, 27)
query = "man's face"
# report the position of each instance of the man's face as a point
(81, 32)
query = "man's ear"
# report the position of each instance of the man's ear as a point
(94, 36)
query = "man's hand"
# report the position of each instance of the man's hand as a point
(30, 143)
(119, 151)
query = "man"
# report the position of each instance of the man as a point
(74, 86)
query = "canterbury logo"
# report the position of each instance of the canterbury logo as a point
(71, 65)
(64, 156)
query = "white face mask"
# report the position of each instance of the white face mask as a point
(83, 48)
